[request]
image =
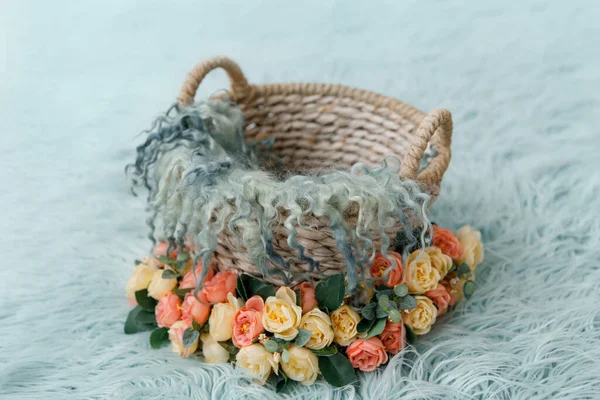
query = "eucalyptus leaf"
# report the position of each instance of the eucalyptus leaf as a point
(381, 313)
(285, 356)
(137, 262)
(190, 337)
(365, 324)
(337, 370)
(197, 326)
(368, 311)
(183, 257)
(395, 316)
(463, 271)
(159, 337)
(165, 260)
(146, 302)
(401, 290)
(330, 292)
(271, 346)
(302, 338)
(169, 274)
(326, 352)
(469, 289)
(407, 303)
(386, 292)
(376, 329)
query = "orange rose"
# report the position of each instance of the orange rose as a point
(196, 309)
(393, 337)
(161, 250)
(219, 286)
(447, 242)
(440, 297)
(381, 265)
(168, 310)
(307, 295)
(247, 322)
(366, 355)
(189, 280)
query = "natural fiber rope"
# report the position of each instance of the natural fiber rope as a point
(318, 126)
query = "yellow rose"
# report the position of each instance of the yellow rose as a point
(221, 319)
(470, 240)
(282, 315)
(421, 276)
(420, 318)
(303, 365)
(319, 325)
(139, 280)
(344, 321)
(256, 362)
(439, 260)
(159, 286)
(213, 352)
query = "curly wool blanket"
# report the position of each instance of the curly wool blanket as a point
(79, 80)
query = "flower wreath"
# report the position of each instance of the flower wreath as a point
(298, 333)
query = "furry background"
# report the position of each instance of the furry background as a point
(80, 80)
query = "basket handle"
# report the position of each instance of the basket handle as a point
(239, 85)
(438, 125)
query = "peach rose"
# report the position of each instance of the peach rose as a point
(440, 297)
(219, 286)
(393, 337)
(381, 265)
(367, 355)
(420, 318)
(189, 280)
(161, 250)
(307, 295)
(196, 309)
(247, 322)
(168, 310)
(445, 240)
(454, 285)
(421, 276)
(176, 338)
(470, 240)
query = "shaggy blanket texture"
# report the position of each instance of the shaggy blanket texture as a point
(79, 80)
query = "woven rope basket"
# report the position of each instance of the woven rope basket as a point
(319, 126)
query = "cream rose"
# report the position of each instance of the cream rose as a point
(420, 318)
(470, 241)
(439, 260)
(139, 280)
(159, 286)
(303, 365)
(319, 325)
(282, 315)
(220, 321)
(421, 276)
(344, 321)
(256, 362)
(213, 352)
(176, 337)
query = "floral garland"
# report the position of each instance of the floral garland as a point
(296, 334)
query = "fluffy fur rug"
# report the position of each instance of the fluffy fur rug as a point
(522, 81)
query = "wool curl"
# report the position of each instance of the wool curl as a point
(203, 178)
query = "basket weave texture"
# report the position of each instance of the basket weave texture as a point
(318, 126)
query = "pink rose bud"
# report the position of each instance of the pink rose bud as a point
(247, 322)
(441, 298)
(307, 295)
(191, 278)
(367, 355)
(195, 309)
(168, 310)
(161, 250)
(393, 337)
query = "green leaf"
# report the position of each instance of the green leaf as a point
(365, 324)
(387, 293)
(183, 257)
(326, 352)
(181, 292)
(159, 337)
(395, 316)
(169, 274)
(280, 381)
(407, 303)
(469, 289)
(298, 297)
(197, 326)
(165, 260)
(376, 329)
(302, 338)
(401, 290)
(368, 311)
(145, 301)
(137, 262)
(285, 356)
(241, 289)
(271, 346)
(337, 370)
(190, 337)
(139, 320)
(463, 271)
(381, 313)
(250, 286)
(411, 336)
(330, 292)
(452, 268)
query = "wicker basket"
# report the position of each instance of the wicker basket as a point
(324, 126)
